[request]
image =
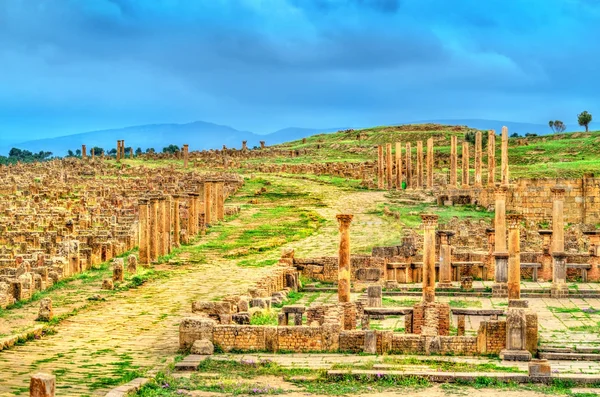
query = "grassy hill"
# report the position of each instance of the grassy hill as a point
(558, 155)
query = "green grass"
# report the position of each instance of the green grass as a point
(389, 302)
(464, 303)
(267, 317)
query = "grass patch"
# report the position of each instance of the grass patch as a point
(267, 317)
(464, 303)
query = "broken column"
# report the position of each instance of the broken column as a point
(453, 160)
(83, 152)
(419, 164)
(144, 210)
(153, 222)
(244, 145)
(193, 215)
(465, 165)
(388, 166)
(208, 205)
(500, 287)
(176, 222)
(220, 200)
(160, 225)
(185, 155)
(379, 167)
(42, 385)
(491, 158)
(344, 258)
(445, 259)
(429, 225)
(478, 154)
(514, 257)
(408, 156)
(398, 166)
(374, 297)
(504, 156)
(118, 269)
(559, 287)
(45, 313)
(262, 144)
(430, 163)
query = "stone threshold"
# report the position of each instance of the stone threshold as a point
(450, 377)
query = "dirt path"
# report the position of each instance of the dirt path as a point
(138, 328)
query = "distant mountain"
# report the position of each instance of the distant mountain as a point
(513, 126)
(199, 135)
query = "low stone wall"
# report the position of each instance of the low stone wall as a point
(365, 268)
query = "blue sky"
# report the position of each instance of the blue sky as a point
(72, 66)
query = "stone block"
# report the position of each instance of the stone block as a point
(42, 385)
(203, 347)
(192, 329)
(107, 284)
(45, 313)
(540, 368)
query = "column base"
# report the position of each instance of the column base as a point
(500, 290)
(515, 355)
(442, 285)
(559, 291)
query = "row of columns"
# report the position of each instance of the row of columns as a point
(160, 219)
(390, 166)
(120, 150)
(465, 172)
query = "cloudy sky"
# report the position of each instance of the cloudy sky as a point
(70, 66)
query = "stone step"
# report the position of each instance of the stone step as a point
(570, 356)
(445, 377)
(190, 363)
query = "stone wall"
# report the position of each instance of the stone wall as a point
(365, 268)
(491, 336)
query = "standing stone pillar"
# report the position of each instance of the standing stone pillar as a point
(478, 154)
(153, 240)
(244, 145)
(559, 259)
(161, 226)
(83, 152)
(465, 165)
(491, 158)
(420, 165)
(344, 270)
(185, 155)
(176, 222)
(453, 160)
(430, 163)
(514, 257)
(220, 200)
(262, 144)
(379, 167)
(504, 156)
(429, 225)
(93, 153)
(208, 215)
(408, 156)
(143, 231)
(500, 287)
(398, 166)
(191, 231)
(388, 166)
(445, 259)
(214, 202)
(168, 228)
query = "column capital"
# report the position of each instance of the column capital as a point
(558, 192)
(514, 220)
(344, 219)
(429, 220)
(445, 235)
(500, 191)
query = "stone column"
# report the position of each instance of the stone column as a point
(220, 201)
(379, 167)
(491, 158)
(398, 166)
(465, 165)
(83, 152)
(478, 154)
(514, 257)
(161, 226)
(559, 287)
(153, 240)
(185, 155)
(429, 224)
(195, 198)
(214, 202)
(262, 144)
(504, 156)
(420, 165)
(445, 259)
(191, 231)
(167, 229)
(388, 166)
(408, 157)
(244, 145)
(453, 160)
(500, 287)
(176, 222)
(208, 216)
(42, 385)
(344, 270)
(143, 231)
(430, 163)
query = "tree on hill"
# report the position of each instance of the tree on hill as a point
(78, 152)
(515, 135)
(171, 149)
(112, 151)
(25, 156)
(584, 119)
(128, 150)
(70, 153)
(471, 135)
(557, 126)
(97, 151)
(150, 150)
(138, 151)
